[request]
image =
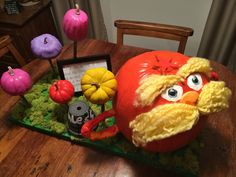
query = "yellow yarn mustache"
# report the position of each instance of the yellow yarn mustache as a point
(170, 119)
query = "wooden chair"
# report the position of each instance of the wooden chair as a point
(164, 31)
(6, 46)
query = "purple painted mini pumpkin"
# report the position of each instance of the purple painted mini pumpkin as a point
(75, 24)
(46, 46)
(15, 81)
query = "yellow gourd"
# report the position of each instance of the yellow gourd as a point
(98, 85)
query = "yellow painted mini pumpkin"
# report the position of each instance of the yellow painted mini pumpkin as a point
(98, 85)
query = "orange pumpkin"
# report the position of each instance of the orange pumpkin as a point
(139, 67)
(161, 100)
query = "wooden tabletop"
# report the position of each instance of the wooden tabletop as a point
(26, 153)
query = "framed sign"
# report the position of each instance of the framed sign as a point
(74, 69)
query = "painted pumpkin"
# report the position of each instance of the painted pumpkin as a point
(75, 24)
(162, 100)
(61, 91)
(98, 85)
(16, 81)
(46, 46)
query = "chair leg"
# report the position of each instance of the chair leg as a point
(16, 54)
(3, 51)
(120, 37)
(182, 45)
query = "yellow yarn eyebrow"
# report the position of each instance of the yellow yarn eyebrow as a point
(152, 86)
(195, 64)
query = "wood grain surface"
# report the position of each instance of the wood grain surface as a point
(26, 153)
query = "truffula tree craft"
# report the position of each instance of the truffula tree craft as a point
(46, 46)
(98, 86)
(75, 26)
(16, 82)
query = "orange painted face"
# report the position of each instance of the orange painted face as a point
(152, 87)
(129, 77)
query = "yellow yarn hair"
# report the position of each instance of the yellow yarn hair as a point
(193, 65)
(152, 86)
(162, 122)
(214, 97)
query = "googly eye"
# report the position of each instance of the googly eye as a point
(194, 81)
(173, 93)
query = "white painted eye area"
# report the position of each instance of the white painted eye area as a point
(194, 81)
(173, 93)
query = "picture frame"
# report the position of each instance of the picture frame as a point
(74, 69)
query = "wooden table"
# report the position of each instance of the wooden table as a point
(28, 153)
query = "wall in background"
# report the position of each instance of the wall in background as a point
(189, 13)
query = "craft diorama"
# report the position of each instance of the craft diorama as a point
(153, 109)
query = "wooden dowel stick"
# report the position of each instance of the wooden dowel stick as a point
(50, 62)
(75, 49)
(102, 108)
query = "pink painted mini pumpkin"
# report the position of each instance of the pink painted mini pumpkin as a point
(75, 24)
(16, 81)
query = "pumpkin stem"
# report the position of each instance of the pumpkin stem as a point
(45, 40)
(10, 71)
(97, 85)
(77, 9)
(56, 86)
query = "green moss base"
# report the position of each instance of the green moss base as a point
(48, 117)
